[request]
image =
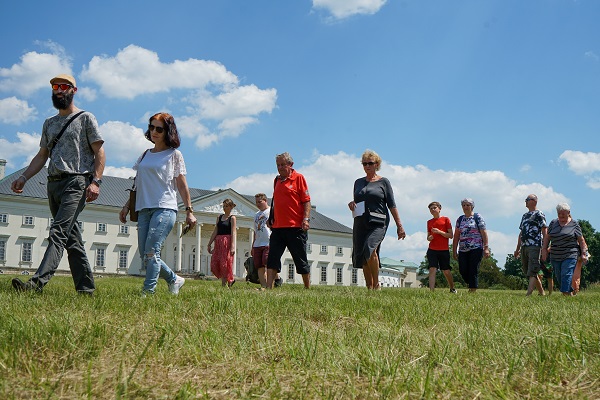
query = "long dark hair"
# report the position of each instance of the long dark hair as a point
(171, 134)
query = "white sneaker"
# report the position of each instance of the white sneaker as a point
(176, 285)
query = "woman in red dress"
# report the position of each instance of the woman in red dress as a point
(224, 238)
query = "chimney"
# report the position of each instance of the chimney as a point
(2, 168)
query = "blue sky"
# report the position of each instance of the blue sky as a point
(486, 99)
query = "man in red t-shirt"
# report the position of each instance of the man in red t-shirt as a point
(439, 230)
(289, 220)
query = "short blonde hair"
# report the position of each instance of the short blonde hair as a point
(371, 154)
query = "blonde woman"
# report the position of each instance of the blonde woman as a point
(377, 196)
(224, 237)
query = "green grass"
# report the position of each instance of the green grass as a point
(328, 342)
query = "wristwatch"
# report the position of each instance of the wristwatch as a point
(97, 181)
(189, 209)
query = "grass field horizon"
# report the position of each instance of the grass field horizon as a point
(328, 342)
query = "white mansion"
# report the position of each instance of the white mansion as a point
(112, 247)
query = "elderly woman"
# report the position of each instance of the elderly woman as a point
(375, 196)
(566, 239)
(470, 244)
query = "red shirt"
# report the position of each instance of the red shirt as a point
(443, 224)
(289, 197)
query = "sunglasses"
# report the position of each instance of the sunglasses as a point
(529, 199)
(62, 86)
(157, 128)
(370, 163)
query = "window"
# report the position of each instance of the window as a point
(123, 255)
(354, 276)
(101, 227)
(308, 247)
(3, 218)
(26, 252)
(100, 257)
(80, 224)
(27, 219)
(340, 251)
(291, 270)
(2, 249)
(50, 222)
(323, 249)
(324, 273)
(124, 229)
(338, 275)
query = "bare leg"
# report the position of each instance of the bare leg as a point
(368, 277)
(432, 272)
(373, 263)
(448, 274)
(271, 274)
(306, 280)
(262, 277)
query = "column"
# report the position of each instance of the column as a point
(198, 246)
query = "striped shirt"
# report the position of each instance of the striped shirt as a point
(564, 240)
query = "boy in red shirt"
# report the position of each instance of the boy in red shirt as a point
(439, 230)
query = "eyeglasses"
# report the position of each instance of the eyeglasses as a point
(370, 163)
(157, 128)
(466, 205)
(528, 199)
(62, 86)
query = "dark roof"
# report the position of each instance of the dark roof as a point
(114, 194)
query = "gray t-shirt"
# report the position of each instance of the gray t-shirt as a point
(73, 153)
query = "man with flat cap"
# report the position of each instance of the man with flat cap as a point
(72, 142)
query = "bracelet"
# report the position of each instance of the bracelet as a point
(306, 219)
(24, 177)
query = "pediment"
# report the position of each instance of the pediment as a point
(213, 204)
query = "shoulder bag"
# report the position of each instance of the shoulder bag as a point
(133, 214)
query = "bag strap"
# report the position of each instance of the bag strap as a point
(133, 187)
(55, 140)
(271, 219)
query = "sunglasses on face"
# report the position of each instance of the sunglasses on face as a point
(158, 129)
(529, 199)
(62, 86)
(369, 163)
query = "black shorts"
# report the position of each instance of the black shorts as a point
(439, 259)
(295, 240)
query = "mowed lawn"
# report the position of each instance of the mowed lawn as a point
(327, 342)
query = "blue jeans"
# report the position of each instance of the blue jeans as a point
(564, 273)
(154, 224)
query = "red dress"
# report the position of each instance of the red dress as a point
(221, 263)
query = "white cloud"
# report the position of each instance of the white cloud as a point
(123, 142)
(136, 71)
(27, 145)
(15, 111)
(592, 55)
(87, 93)
(585, 164)
(216, 106)
(498, 198)
(581, 163)
(34, 71)
(120, 172)
(341, 9)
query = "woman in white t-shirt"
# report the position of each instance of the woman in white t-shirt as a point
(159, 171)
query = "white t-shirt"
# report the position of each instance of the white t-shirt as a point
(261, 230)
(155, 181)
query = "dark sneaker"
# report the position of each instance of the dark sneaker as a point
(453, 291)
(21, 286)
(278, 282)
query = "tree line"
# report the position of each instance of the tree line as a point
(491, 276)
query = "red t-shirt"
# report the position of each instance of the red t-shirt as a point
(443, 224)
(289, 197)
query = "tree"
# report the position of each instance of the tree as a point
(590, 273)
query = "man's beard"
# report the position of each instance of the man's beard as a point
(64, 102)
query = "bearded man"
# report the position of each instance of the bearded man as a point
(72, 142)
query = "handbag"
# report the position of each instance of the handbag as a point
(133, 215)
(376, 219)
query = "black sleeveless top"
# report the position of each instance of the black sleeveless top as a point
(224, 227)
